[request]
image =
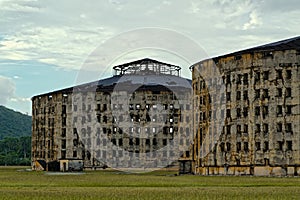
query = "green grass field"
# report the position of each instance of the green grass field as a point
(16, 183)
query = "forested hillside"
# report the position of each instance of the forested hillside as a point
(15, 137)
(14, 124)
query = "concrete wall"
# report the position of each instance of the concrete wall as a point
(147, 128)
(260, 114)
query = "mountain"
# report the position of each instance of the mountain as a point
(14, 124)
(15, 137)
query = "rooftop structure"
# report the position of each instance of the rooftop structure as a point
(147, 66)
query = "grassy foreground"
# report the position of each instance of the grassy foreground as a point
(16, 183)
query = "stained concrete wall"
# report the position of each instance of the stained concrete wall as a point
(260, 115)
(148, 128)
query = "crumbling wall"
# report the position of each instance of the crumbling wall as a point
(147, 128)
(132, 130)
(260, 111)
(49, 128)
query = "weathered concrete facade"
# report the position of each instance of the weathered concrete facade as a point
(138, 119)
(259, 112)
(242, 117)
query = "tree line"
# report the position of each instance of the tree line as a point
(15, 151)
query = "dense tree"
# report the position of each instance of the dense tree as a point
(15, 151)
(14, 124)
(15, 137)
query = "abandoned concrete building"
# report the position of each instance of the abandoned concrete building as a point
(240, 115)
(139, 119)
(259, 112)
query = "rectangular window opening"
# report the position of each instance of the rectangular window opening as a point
(266, 75)
(279, 127)
(289, 145)
(257, 146)
(288, 74)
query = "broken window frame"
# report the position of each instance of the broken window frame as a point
(238, 146)
(228, 146)
(238, 95)
(257, 128)
(246, 146)
(245, 128)
(289, 145)
(257, 111)
(289, 74)
(239, 79)
(245, 95)
(238, 112)
(265, 128)
(266, 75)
(245, 112)
(228, 94)
(228, 113)
(265, 94)
(279, 110)
(289, 110)
(279, 92)
(289, 128)
(288, 92)
(228, 129)
(279, 146)
(265, 111)
(257, 77)
(279, 127)
(257, 146)
(245, 79)
(222, 147)
(257, 93)
(266, 146)
(279, 74)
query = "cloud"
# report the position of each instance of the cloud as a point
(194, 7)
(118, 1)
(279, 6)
(64, 47)
(64, 34)
(7, 89)
(20, 5)
(20, 99)
(254, 21)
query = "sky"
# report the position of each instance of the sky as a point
(46, 45)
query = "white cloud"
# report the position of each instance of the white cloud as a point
(118, 1)
(194, 7)
(65, 33)
(61, 46)
(167, 3)
(7, 89)
(83, 16)
(20, 99)
(20, 5)
(229, 15)
(255, 21)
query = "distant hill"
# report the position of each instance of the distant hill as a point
(14, 124)
(15, 137)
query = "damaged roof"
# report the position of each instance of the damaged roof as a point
(291, 43)
(144, 61)
(126, 81)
